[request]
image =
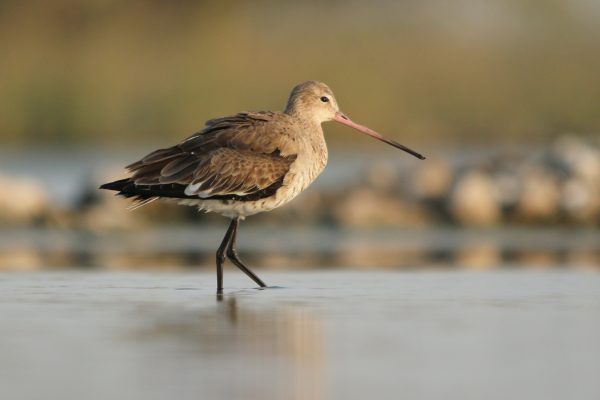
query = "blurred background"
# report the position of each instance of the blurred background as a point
(501, 95)
(376, 260)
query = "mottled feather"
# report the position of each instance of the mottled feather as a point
(244, 155)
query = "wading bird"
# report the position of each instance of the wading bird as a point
(243, 164)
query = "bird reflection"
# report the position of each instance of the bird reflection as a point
(270, 352)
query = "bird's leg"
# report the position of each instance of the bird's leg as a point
(221, 255)
(233, 256)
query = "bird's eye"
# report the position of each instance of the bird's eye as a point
(324, 99)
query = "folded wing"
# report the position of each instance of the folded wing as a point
(243, 157)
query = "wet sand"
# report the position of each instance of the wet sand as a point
(317, 335)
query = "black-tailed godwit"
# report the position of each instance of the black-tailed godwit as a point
(243, 164)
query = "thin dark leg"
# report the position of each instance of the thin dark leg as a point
(233, 256)
(221, 255)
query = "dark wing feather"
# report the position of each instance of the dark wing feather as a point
(241, 157)
(236, 172)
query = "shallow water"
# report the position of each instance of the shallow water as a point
(318, 335)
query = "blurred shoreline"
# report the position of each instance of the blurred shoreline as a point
(483, 209)
(556, 184)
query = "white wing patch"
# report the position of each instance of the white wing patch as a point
(191, 189)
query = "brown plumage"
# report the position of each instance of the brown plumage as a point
(231, 158)
(243, 164)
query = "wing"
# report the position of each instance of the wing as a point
(234, 172)
(242, 157)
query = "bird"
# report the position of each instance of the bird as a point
(243, 164)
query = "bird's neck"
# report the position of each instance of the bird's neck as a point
(306, 122)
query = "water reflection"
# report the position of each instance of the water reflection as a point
(264, 353)
(303, 249)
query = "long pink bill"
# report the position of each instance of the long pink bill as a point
(342, 119)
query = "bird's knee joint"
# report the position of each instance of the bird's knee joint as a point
(221, 257)
(232, 253)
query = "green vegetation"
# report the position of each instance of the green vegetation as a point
(111, 72)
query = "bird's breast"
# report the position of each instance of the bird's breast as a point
(310, 161)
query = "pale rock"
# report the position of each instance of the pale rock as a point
(432, 179)
(581, 200)
(382, 176)
(23, 200)
(364, 207)
(473, 200)
(540, 195)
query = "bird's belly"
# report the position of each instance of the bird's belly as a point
(242, 209)
(231, 208)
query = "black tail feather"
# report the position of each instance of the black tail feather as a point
(116, 185)
(127, 188)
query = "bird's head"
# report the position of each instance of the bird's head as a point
(313, 101)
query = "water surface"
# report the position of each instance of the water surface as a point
(317, 335)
